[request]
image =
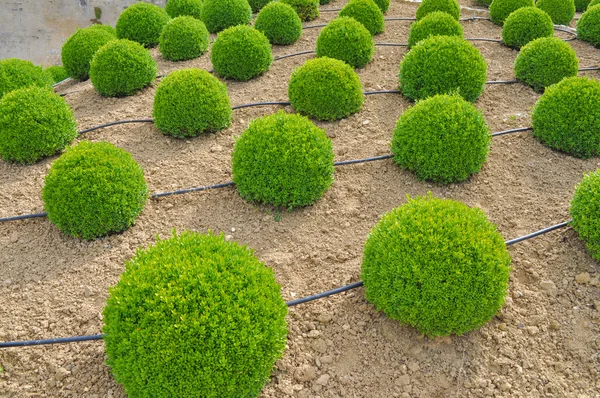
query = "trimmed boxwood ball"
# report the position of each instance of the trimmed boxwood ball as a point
(443, 139)
(94, 189)
(283, 160)
(436, 23)
(218, 15)
(178, 8)
(545, 61)
(34, 123)
(323, 2)
(307, 10)
(501, 9)
(241, 53)
(526, 24)
(383, 5)
(567, 117)
(588, 26)
(581, 5)
(448, 6)
(443, 65)
(484, 3)
(142, 23)
(190, 102)
(80, 48)
(561, 11)
(57, 72)
(121, 68)
(17, 73)
(280, 23)
(367, 13)
(183, 38)
(325, 89)
(585, 211)
(593, 3)
(346, 39)
(258, 5)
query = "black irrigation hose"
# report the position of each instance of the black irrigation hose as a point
(188, 190)
(116, 123)
(59, 340)
(61, 82)
(382, 92)
(502, 82)
(512, 131)
(323, 295)
(365, 160)
(293, 54)
(484, 39)
(538, 233)
(284, 103)
(331, 10)
(392, 44)
(590, 68)
(23, 217)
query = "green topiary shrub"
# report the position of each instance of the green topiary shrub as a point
(443, 139)
(258, 5)
(307, 10)
(561, 11)
(283, 160)
(501, 9)
(106, 28)
(79, 49)
(183, 38)
(367, 13)
(178, 8)
(218, 15)
(545, 61)
(190, 102)
(526, 24)
(585, 211)
(437, 265)
(581, 5)
(448, 6)
(323, 2)
(383, 5)
(16, 73)
(484, 3)
(280, 23)
(325, 89)
(588, 26)
(593, 3)
(57, 72)
(34, 123)
(436, 23)
(567, 117)
(346, 39)
(142, 23)
(194, 316)
(443, 65)
(94, 189)
(121, 68)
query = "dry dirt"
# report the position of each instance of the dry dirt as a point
(544, 342)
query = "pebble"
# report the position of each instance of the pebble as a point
(323, 380)
(305, 373)
(61, 374)
(583, 278)
(324, 318)
(365, 122)
(549, 287)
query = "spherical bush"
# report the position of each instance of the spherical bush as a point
(581, 5)
(122, 67)
(258, 5)
(585, 211)
(142, 23)
(283, 160)
(561, 11)
(280, 23)
(545, 61)
(484, 3)
(567, 117)
(443, 65)
(323, 2)
(190, 102)
(16, 73)
(383, 5)
(437, 265)
(526, 24)
(80, 48)
(218, 15)
(94, 189)
(442, 139)
(448, 6)
(57, 72)
(183, 38)
(346, 39)
(326, 89)
(436, 23)
(34, 123)
(367, 13)
(588, 26)
(501, 9)
(593, 3)
(178, 8)
(307, 10)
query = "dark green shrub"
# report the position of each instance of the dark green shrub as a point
(581, 5)
(218, 15)
(283, 160)
(142, 23)
(194, 316)
(526, 24)
(484, 3)
(280, 23)
(307, 10)
(183, 38)
(567, 117)
(561, 11)
(436, 23)
(588, 26)
(190, 102)
(501, 9)
(442, 139)
(241, 53)
(80, 48)
(545, 61)
(122, 67)
(325, 89)
(16, 73)
(346, 39)
(593, 3)
(449, 6)
(94, 189)
(34, 123)
(383, 5)
(258, 5)
(178, 8)
(443, 65)
(585, 211)
(367, 13)
(323, 2)
(57, 72)
(437, 265)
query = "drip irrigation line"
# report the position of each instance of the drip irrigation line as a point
(502, 82)
(23, 217)
(293, 55)
(590, 68)
(499, 133)
(331, 10)
(392, 44)
(400, 19)
(538, 233)
(473, 19)
(355, 161)
(116, 123)
(564, 29)
(382, 92)
(59, 340)
(324, 294)
(188, 190)
(484, 39)
(322, 25)
(61, 82)
(285, 103)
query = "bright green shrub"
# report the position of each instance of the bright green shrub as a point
(80, 48)
(561, 11)
(367, 13)
(588, 26)
(585, 211)
(501, 9)
(436, 23)
(383, 5)
(593, 3)
(183, 38)
(122, 67)
(58, 73)
(346, 39)
(258, 5)
(279, 22)
(449, 6)
(106, 28)
(325, 89)
(283, 160)
(16, 73)
(443, 65)
(190, 102)
(218, 15)
(581, 5)
(567, 117)
(178, 8)
(94, 189)
(442, 139)
(307, 10)
(545, 61)
(34, 123)
(142, 23)
(526, 24)
(437, 265)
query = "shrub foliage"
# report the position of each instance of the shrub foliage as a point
(16, 73)
(383, 5)
(178, 8)
(585, 211)
(346, 39)
(280, 23)
(142, 23)
(307, 10)
(501, 9)
(581, 5)
(588, 26)
(183, 38)
(218, 15)
(436, 23)
(448, 6)
(367, 13)
(526, 24)
(80, 48)
(258, 5)
(57, 72)
(561, 11)
(593, 3)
